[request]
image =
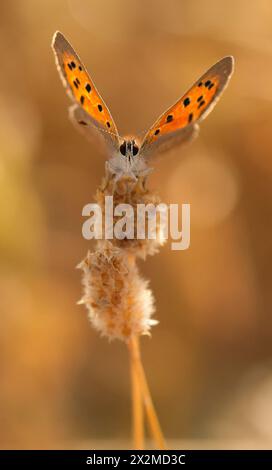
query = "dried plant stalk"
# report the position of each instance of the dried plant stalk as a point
(137, 406)
(153, 421)
(118, 300)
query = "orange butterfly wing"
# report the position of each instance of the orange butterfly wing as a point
(82, 90)
(179, 122)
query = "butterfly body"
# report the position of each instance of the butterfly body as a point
(177, 125)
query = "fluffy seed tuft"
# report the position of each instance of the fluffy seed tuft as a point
(118, 299)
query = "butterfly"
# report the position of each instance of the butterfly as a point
(175, 126)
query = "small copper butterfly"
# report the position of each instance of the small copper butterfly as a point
(176, 125)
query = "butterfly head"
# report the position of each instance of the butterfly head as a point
(129, 149)
(129, 155)
(128, 161)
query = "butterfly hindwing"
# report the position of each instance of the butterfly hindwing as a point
(82, 91)
(180, 122)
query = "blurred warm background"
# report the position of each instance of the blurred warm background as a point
(209, 360)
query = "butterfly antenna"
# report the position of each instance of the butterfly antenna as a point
(143, 132)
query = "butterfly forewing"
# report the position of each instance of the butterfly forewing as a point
(179, 122)
(177, 125)
(82, 90)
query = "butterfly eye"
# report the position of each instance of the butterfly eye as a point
(123, 148)
(135, 150)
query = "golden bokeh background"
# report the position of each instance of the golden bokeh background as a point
(209, 359)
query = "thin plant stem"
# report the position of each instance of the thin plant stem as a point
(153, 421)
(137, 406)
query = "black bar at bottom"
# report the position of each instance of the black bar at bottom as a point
(117, 459)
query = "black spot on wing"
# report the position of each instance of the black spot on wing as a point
(157, 131)
(88, 87)
(187, 101)
(201, 104)
(190, 117)
(82, 99)
(100, 108)
(169, 118)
